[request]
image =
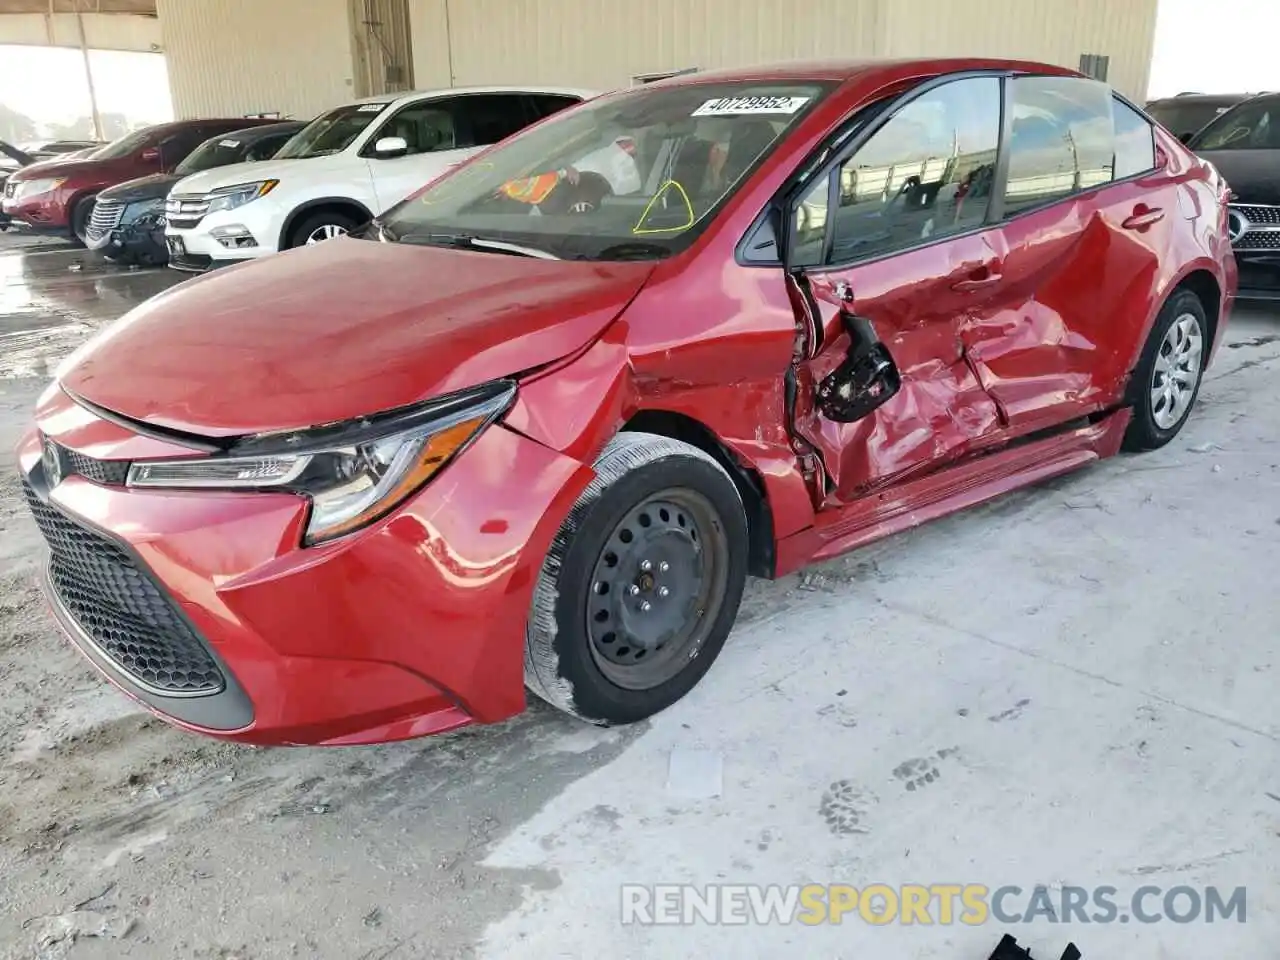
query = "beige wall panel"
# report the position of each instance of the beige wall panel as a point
(232, 57)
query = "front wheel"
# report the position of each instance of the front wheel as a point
(320, 227)
(641, 585)
(80, 215)
(1168, 377)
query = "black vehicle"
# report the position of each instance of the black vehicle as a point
(1244, 144)
(11, 159)
(127, 223)
(1187, 113)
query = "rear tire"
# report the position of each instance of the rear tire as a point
(1167, 381)
(641, 585)
(312, 228)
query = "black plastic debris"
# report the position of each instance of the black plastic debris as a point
(1008, 949)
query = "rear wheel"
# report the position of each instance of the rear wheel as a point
(641, 585)
(1169, 373)
(326, 225)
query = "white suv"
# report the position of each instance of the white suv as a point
(343, 169)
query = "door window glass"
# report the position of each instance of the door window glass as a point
(545, 104)
(926, 174)
(1062, 140)
(426, 127)
(267, 147)
(491, 117)
(1135, 146)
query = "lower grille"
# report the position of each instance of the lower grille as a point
(105, 218)
(121, 609)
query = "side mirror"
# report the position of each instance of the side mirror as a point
(866, 379)
(387, 147)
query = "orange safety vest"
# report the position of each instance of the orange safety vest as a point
(531, 190)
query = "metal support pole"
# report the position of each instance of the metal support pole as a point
(88, 75)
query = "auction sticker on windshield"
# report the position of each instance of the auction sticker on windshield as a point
(737, 106)
(372, 107)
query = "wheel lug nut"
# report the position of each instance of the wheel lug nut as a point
(645, 606)
(663, 591)
(646, 566)
(634, 591)
(664, 566)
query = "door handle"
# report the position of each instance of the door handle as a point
(1143, 217)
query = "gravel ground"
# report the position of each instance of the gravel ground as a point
(1073, 685)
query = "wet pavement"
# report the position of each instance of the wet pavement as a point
(54, 295)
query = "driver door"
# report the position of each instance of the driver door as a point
(897, 235)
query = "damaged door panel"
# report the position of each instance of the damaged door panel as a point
(913, 401)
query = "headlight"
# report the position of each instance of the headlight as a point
(353, 473)
(30, 188)
(228, 198)
(144, 208)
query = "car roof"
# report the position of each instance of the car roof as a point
(259, 131)
(453, 91)
(1210, 99)
(860, 68)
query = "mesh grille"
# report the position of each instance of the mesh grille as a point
(10, 189)
(1259, 240)
(105, 218)
(1268, 216)
(121, 609)
(110, 472)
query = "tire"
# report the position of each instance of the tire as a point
(1181, 332)
(298, 237)
(653, 501)
(80, 215)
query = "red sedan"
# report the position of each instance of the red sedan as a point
(537, 424)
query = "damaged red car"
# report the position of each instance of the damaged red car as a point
(535, 425)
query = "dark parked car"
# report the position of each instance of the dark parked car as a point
(1244, 144)
(128, 220)
(1186, 113)
(57, 196)
(537, 423)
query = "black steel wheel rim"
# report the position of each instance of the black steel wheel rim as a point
(656, 588)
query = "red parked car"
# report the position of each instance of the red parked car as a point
(538, 422)
(56, 196)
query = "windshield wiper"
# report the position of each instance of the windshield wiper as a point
(465, 241)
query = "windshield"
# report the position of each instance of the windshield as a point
(126, 146)
(1182, 119)
(331, 132)
(218, 152)
(637, 174)
(1253, 125)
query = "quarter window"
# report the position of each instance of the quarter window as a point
(491, 116)
(1062, 140)
(1135, 146)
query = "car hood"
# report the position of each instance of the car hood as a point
(74, 168)
(249, 172)
(340, 330)
(154, 187)
(1254, 175)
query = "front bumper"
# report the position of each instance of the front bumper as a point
(1259, 275)
(43, 213)
(210, 244)
(410, 627)
(142, 242)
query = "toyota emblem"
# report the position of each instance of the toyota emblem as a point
(52, 461)
(1237, 225)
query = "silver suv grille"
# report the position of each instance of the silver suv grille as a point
(185, 212)
(1254, 227)
(105, 218)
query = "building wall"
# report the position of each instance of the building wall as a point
(233, 57)
(603, 43)
(103, 31)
